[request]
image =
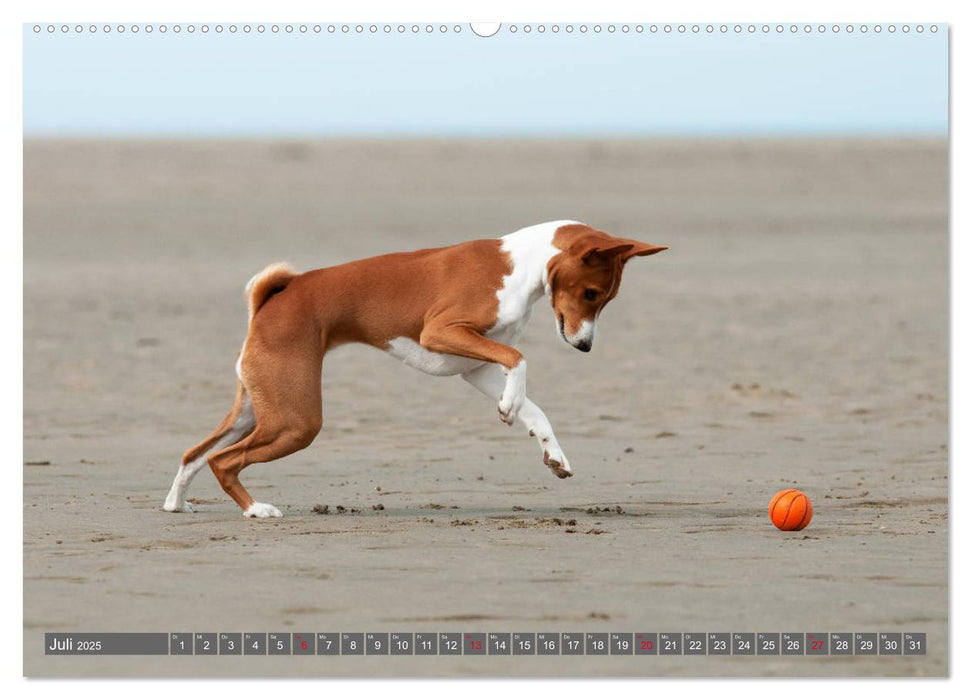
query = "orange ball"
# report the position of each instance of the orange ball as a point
(790, 509)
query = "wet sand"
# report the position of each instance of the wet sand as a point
(795, 334)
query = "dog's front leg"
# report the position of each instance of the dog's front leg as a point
(513, 397)
(490, 381)
(464, 341)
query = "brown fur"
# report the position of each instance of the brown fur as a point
(272, 279)
(443, 298)
(431, 296)
(223, 428)
(591, 260)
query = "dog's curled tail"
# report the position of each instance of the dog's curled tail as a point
(271, 279)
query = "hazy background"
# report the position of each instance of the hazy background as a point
(458, 84)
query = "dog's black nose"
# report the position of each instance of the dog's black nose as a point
(583, 346)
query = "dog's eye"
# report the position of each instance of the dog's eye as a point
(591, 294)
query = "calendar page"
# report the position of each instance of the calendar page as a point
(526, 349)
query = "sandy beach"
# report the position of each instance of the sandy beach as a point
(795, 334)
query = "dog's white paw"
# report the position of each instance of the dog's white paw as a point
(173, 506)
(558, 463)
(262, 510)
(509, 412)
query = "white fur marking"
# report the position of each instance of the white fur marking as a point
(435, 363)
(530, 250)
(262, 510)
(586, 332)
(513, 394)
(490, 381)
(175, 501)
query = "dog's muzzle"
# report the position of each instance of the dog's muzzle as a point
(582, 341)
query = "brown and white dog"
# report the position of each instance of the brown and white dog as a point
(445, 311)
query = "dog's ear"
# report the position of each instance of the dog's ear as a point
(605, 250)
(637, 248)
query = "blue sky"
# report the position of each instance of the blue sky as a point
(512, 84)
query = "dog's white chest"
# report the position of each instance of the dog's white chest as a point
(435, 363)
(510, 330)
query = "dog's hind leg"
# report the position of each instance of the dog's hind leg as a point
(285, 389)
(238, 423)
(489, 379)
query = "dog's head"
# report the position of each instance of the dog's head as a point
(585, 276)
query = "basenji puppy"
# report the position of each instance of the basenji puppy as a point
(445, 311)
